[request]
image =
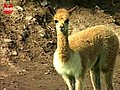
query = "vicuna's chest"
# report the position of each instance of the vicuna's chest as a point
(71, 67)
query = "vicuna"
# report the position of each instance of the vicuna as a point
(94, 49)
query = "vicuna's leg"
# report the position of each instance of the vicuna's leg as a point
(108, 80)
(108, 73)
(79, 85)
(108, 70)
(70, 81)
(95, 76)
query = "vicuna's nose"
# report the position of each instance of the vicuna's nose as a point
(62, 27)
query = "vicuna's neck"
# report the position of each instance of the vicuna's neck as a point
(63, 46)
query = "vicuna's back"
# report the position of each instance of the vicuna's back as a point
(95, 37)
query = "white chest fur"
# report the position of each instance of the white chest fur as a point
(71, 67)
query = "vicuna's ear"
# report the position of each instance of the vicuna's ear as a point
(52, 11)
(72, 9)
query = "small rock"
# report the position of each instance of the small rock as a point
(45, 3)
(14, 53)
(4, 89)
(28, 18)
(42, 33)
(23, 70)
(19, 8)
(7, 40)
(48, 72)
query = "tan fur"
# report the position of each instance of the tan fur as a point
(61, 15)
(94, 49)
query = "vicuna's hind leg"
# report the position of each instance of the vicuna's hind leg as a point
(70, 81)
(107, 70)
(108, 80)
(108, 74)
(95, 76)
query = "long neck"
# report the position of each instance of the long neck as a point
(63, 46)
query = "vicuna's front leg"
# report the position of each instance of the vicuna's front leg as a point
(108, 79)
(70, 81)
(95, 76)
(79, 85)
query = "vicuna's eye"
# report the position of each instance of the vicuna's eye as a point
(67, 20)
(56, 21)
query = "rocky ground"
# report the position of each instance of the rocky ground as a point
(28, 41)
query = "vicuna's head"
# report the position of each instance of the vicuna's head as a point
(61, 19)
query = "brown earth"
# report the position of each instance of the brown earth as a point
(27, 44)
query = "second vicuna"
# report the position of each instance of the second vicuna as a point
(94, 49)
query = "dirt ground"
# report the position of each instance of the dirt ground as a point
(27, 44)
